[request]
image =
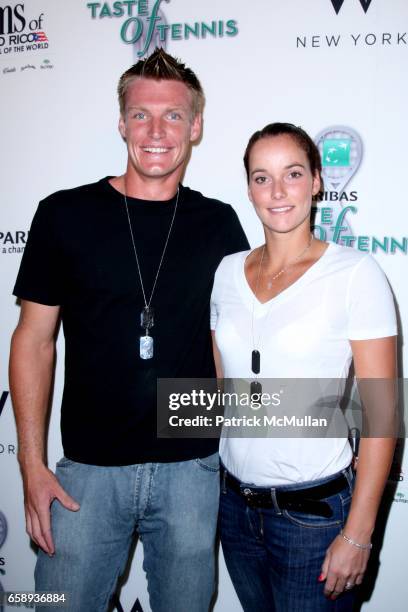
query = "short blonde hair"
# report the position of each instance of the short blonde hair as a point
(162, 66)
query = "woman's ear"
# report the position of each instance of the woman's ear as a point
(316, 183)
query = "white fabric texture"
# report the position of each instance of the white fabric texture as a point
(303, 332)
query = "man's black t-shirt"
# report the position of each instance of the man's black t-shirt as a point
(79, 256)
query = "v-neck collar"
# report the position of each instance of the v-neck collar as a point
(249, 296)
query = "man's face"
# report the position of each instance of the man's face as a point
(158, 126)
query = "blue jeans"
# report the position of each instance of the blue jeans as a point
(171, 506)
(274, 557)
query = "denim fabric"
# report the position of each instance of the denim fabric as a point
(172, 506)
(274, 556)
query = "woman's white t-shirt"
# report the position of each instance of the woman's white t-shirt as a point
(303, 332)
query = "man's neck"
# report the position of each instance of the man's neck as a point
(147, 188)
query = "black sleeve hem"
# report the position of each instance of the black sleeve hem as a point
(37, 299)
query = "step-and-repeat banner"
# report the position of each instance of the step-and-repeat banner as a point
(335, 67)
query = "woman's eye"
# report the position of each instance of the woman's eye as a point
(259, 180)
(295, 174)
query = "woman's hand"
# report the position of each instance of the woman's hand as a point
(343, 567)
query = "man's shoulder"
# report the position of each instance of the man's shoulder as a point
(75, 195)
(197, 198)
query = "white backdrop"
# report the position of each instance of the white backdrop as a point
(318, 64)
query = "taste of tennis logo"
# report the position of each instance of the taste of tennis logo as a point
(144, 25)
(341, 150)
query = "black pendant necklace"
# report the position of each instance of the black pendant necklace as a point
(256, 361)
(256, 387)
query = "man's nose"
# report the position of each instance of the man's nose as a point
(157, 127)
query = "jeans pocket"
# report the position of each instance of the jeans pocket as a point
(210, 463)
(314, 521)
(65, 462)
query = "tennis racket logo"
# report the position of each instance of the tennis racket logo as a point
(341, 151)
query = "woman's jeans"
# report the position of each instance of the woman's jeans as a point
(173, 508)
(275, 556)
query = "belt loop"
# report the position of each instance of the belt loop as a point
(275, 501)
(224, 481)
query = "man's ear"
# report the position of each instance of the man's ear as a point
(122, 128)
(196, 126)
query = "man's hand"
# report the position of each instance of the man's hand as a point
(343, 567)
(41, 487)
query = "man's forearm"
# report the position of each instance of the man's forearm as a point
(31, 368)
(31, 372)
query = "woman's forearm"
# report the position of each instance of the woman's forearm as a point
(374, 464)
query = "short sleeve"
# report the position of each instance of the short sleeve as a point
(38, 279)
(236, 239)
(370, 303)
(216, 295)
(214, 315)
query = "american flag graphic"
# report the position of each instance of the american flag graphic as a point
(40, 37)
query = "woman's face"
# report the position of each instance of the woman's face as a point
(281, 184)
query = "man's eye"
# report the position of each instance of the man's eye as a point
(139, 115)
(174, 116)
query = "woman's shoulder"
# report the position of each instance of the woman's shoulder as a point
(228, 263)
(346, 257)
(346, 253)
(353, 266)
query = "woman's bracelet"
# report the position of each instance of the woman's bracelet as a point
(350, 541)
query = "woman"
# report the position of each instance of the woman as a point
(296, 308)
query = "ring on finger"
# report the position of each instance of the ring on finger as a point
(348, 586)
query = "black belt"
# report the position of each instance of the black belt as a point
(306, 500)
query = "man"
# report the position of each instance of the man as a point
(128, 264)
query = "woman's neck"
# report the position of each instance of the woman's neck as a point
(283, 248)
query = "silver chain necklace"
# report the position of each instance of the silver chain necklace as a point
(278, 274)
(256, 386)
(147, 314)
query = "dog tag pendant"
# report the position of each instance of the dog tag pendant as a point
(255, 388)
(147, 318)
(256, 362)
(146, 346)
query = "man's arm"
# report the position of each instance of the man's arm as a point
(31, 370)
